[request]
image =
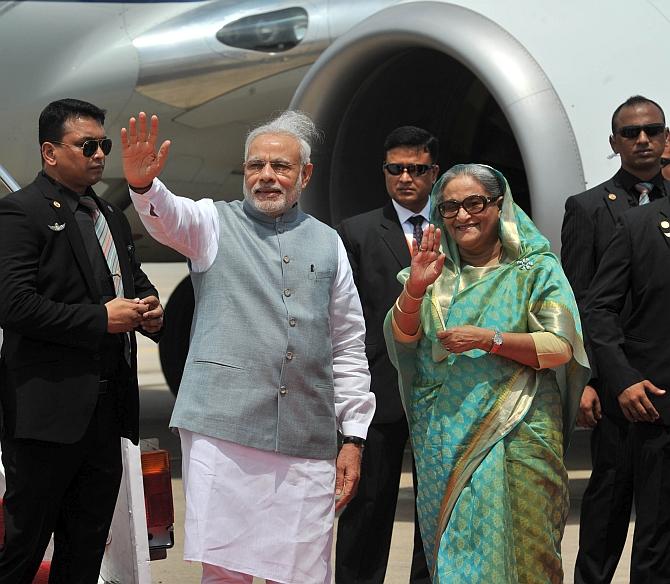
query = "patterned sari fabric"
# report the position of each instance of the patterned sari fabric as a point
(489, 433)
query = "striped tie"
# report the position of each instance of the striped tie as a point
(417, 222)
(644, 188)
(106, 242)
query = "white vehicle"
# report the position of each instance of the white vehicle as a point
(527, 86)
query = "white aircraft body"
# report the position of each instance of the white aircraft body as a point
(524, 85)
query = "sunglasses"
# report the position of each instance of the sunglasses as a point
(665, 161)
(90, 147)
(631, 132)
(396, 169)
(473, 205)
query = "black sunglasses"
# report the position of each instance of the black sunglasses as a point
(412, 169)
(631, 132)
(473, 204)
(665, 161)
(90, 147)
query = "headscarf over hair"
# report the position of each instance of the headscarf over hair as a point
(518, 235)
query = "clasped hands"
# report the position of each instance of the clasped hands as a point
(125, 315)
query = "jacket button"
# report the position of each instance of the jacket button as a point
(292, 321)
(289, 355)
(286, 259)
(283, 390)
(287, 292)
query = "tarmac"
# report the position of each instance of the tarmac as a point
(156, 407)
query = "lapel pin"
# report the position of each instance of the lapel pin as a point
(611, 197)
(56, 226)
(665, 228)
(57, 204)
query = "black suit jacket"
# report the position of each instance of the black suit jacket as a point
(377, 251)
(633, 347)
(588, 226)
(53, 319)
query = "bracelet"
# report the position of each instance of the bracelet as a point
(412, 297)
(401, 311)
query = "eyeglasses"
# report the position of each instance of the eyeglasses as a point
(278, 167)
(665, 161)
(631, 132)
(90, 147)
(396, 169)
(473, 204)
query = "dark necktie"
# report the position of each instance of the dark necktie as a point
(417, 222)
(106, 242)
(644, 188)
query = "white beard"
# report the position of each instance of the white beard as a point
(277, 206)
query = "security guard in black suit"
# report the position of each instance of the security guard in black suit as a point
(68, 370)
(377, 244)
(638, 134)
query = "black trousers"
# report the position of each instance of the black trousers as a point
(631, 462)
(69, 490)
(607, 502)
(650, 560)
(365, 526)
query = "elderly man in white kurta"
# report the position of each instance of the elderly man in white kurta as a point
(276, 363)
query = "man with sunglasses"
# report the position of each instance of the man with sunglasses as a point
(378, 245)
(72, 295)
(638, 137)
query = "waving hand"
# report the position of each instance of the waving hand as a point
(141, 162)
(427, 261)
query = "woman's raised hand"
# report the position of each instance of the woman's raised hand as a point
(141, 162)
(427, 262)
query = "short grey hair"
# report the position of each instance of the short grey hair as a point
(290, 123)
(482, 174)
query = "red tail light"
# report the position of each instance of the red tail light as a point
(157, 488)
(42, 576)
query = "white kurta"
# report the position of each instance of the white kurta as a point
(248, 510)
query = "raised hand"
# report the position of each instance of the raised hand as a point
(142, 163)
(427, 261)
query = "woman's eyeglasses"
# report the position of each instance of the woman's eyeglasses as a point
(411, 169)
(90, 147)
(631, 132)
(473, 204)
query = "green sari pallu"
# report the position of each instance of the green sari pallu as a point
(488, 433)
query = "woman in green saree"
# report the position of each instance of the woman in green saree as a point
(487, 341)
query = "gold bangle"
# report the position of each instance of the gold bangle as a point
(401, 311)
(412, 297)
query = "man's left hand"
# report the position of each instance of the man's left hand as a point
(348, 473)
(152, 320)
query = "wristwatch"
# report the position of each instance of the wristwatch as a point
(496, 342)
(357, 440)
